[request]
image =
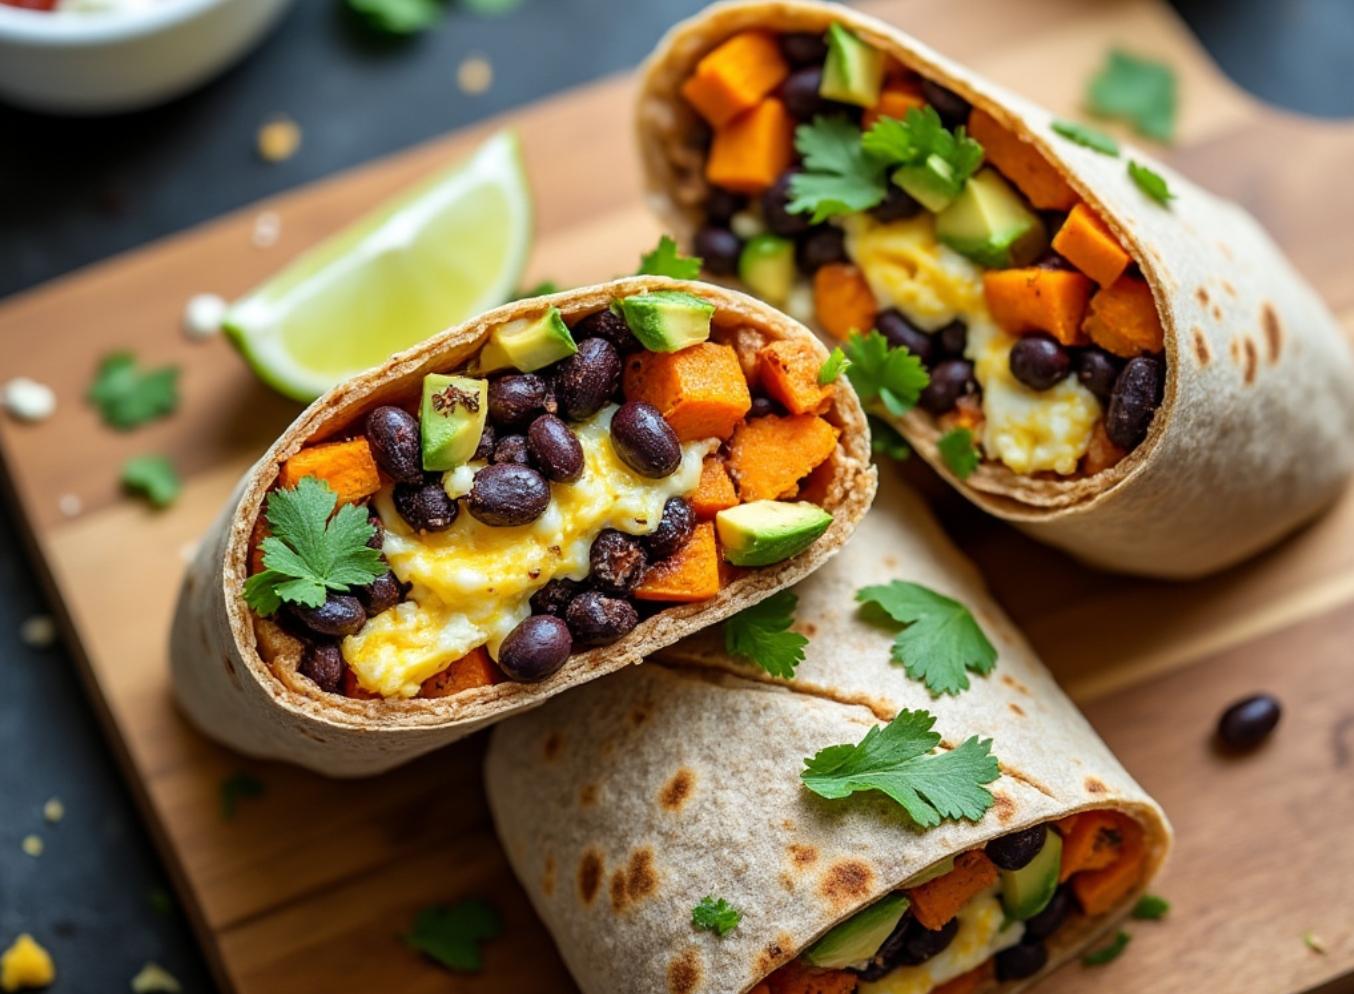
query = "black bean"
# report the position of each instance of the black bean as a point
(396, 445)
(903, 334)
(950, 380)
(381, 594)
(1134, 402)
(674, 531)
(339, 615)
(803, 49)
(1011, 852)
(555, 448)
(1052, 260)
(506, 495)
(763, 407)
(953, 339)
(952, 108)
(897, 205)
(585, 381)
(721, 205)
(1048, 921)
(512, 449)
(1039, 361)
(616, 562)
(820, 247)
(608, 325)
(322, 663)
(596, 619)
(535, 649)
(554, 597)
(910, 944)
(378, 539)
(1097, 371)
(1020, 961)
(719, 249)
(775, 201)
(517, 399)
(800, 94)
(425, 507)
(644, 441)
(488, 438)
(1248, 722)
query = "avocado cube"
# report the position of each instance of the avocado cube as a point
(854, 70)
(528, 344)
(1026, 892)
(859, 937)
(767, 266)
(931, 183)
(768, 531)
(990, 223)
(668, 320)
(451, 420)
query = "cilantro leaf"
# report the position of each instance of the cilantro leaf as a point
(921, 141)
(1150, 183)
(839, 176)
(834, 366)
(894, 376)
(127, 396)
(958, 451)
(452, 936)
(153, 476)
(1151, 908)
(941, 642)
(236, 786)
(896, 759)
(1106, 954)
(716, 916)
(666, 261)
(1137, 90)
(1097, 141)
(399, 17)
(309, 554)
(761, 634)
(493, 8)
(885, 440)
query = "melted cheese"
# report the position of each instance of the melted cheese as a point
(25, 964)
(471, 584)
(908, 269)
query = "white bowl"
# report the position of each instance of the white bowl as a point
(108, 61)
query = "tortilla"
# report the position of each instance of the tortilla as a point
(1255, 434)
(623, 804)
(235, 696)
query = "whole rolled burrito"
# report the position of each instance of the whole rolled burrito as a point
(1150, 385)
(623, 806)
(519, 505)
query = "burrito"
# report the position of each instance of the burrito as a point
(685, 826)
(1104, 354)
(523, 503)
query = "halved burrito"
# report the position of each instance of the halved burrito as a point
(533, 499)
(1118, 362)
(697, 826)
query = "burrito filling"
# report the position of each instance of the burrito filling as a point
(847, 189)
(567, 483)
(984, 915)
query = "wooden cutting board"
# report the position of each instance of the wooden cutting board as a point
(309, 887)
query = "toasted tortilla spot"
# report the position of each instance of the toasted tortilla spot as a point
(684, 972)
(1222, 247)
(676, 791)
(1269, 323)
(548, 878)
(891, 562)
(635, 881)
(590, 871)
(1202, 294)
(587, 796)
(1015, 684)
(808, 629)
(1252, 358)
(846, 882)
(1028, 781)
(1235, 348)
(1094, 786)
(775, 953)
(1017, 709)
(1004, 806)
(1217, 312)
(802, 855)
(639, 714)
(553, 744)
(1227, 286)
(1201, 349)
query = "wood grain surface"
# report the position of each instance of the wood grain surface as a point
(309, 887)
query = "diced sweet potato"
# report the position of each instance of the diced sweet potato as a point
(736, 76)
(770, 455)
(700, 390)
(967, 413)
(935, 902)
(1123, 318)
(1097, 891)
(348, 468)
(1087, 243)
(1022, 164)
(895, 100)
(474, 669)
(816, 485)
(351, 688)
(1102, 453)
(715, 491)
(1092, 840)
(789, 374)
(256, 537)
(751, 151)
(690, 574)
(843, 301)
(797, 977)
(1051, 300)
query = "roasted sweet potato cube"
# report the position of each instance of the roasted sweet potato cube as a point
(1034, 299)
(789, 374)
(474, 669)
(348, 468)
(751, 151)
(736, 76)
(1087, 243)
(689, 574)
(770, 455)
(1123, 318)
(1021, 163)
(700, 390)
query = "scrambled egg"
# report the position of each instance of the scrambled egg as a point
(473, 582)
(979, 938)
(25, 964)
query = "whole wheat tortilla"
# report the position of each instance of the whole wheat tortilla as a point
(234, 695)
(1256, 431)
(622, 805)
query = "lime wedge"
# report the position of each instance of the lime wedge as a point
(450, 248)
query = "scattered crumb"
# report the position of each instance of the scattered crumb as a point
(70, 505)
(267, 229)
(38, 632)
(1315, 943)
(32, 845)
(279, 138)
(155, 979)
(25, 964)
(475, 74)
(29, 400)
(187, 551)
(202, 316)
(54, 810)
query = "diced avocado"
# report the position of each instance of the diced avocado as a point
(859, 937)
(854, 70)
(451, 420)
(767, 531)
(668, 320)
(930, 873)
(1026, 892)
(990, 224)
(767, 266)
(931, 184)
(528, 344)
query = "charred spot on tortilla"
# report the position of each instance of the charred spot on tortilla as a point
(1269, 322)
(684, 972)
(1217, 312)
(808, 629)
(587, 796)
(1228, 288)
(590, 871)
(635, 881)
(553, 744)
(775, 953)
(1015, 684)
(1028, 781)
(1201, 349)
(1094, 786)
(677, 790)
(846, 882)
(548, 878)
(1222, 247)
(1252, 358)
(1003, 806)
(802, 855)
(639, 714)
(1202, 294)
(1017, 709)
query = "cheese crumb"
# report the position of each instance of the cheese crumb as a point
(38, 632)
(25, 965)
(475, 74)
(267, 229)
(202, 315)
(29, 400)
(279, 139)
(54, 810)
(155, 979)
(32, 845)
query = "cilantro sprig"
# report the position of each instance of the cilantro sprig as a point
(834, 367)
(1107, 954)
(761, 634)
(236, 787)
(1137, 90)
(1151, 183)
(127, 396)
(452, 936)
(941, 643)
(1088, 137)
(1151, 908)
(309, 554)
(715, 915)
(665, 260)
(895, 377)
(839, 176)
(885, 439)
(920, 143)
(958, 451)
(897, 759)
(154, 477)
